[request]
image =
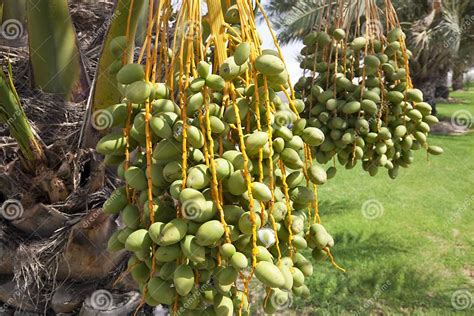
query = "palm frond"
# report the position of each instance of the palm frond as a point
(300, 20)
(14, 117)
(435, 40)
(277, 8)
(307, 15)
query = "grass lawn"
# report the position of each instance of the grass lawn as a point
(446, 111)
(407, 244)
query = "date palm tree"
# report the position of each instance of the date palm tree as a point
(53, 234)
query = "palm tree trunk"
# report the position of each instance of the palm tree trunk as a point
(13, 116)
(458, 76)
(427, 84)
(442, 87)
(67, 245)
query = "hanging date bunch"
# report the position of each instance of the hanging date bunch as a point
(358, 91)
(220, 182)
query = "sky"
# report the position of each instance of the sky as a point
(290, 52)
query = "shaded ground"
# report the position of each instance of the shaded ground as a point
(456, 114)
(448, 128)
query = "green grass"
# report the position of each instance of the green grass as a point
(411, 258)
(446, 111)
